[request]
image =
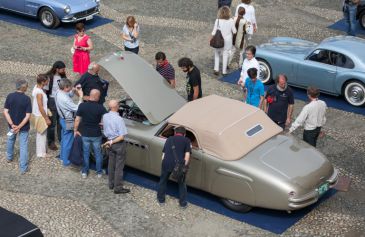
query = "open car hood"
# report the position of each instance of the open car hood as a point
(148, 89)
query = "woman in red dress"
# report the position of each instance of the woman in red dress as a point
(82, 45)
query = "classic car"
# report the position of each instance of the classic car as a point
(360, 14)
(52, 13)
(238, 153)
(336, 65)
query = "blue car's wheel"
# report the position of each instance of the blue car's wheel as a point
(362, 19)
(265, 71)
(48, 18)
(354, 93)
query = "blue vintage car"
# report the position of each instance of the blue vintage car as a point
(52, 12)
(336, 65)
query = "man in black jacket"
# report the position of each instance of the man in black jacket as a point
(176, 148)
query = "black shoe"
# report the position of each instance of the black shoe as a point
(58, 156)
(111, 187)
(123, 190)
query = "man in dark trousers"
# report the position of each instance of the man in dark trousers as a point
(115, 131)
(279, 102)
(193, 85)
(182, 155)
(91, 80)
(17, 111)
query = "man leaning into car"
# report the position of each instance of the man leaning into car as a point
(182, 153)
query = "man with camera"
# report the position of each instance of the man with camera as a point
(67, 111)
(279, 102)
(176, 152)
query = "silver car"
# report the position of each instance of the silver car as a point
(238, 153)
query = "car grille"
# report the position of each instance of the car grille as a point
(86, 13)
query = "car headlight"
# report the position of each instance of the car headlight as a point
(67, 9)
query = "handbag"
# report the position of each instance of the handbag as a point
(180, 169)
(217, 40)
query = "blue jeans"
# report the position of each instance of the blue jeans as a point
(350, 17)
(161, 193)
(95, 142)
(67, 138)
(23, 146)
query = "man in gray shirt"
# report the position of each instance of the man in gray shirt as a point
(66, 109)
(115, 131)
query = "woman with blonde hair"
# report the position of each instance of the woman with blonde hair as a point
(225, 24)
(250, 16)
(130, 35)
(40, 115)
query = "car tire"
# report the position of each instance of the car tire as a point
(354, 93)
(236, 206)
(265, 74)
(48, 18)
(362, 19)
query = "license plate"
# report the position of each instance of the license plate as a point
(323, 188)
(88, 18)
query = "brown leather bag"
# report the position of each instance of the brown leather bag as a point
(217, 40)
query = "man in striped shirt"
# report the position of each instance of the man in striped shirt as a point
(165, 68)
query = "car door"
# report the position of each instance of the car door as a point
(137, 153)
(317, 70)
(14, 5)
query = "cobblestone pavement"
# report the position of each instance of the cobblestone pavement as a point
(62, 204)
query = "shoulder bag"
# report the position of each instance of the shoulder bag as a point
(217, 40)
(179, 170)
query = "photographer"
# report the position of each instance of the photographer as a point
(177, 148)
(66, 110)
(130, 35)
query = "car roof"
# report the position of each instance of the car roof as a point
(148, 89)
(348, 45)
(225, 128)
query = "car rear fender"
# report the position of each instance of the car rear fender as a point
(345, 76)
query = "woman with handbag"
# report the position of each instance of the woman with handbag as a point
(40, 115)
(81, 49)
(130, 35)
(225, 25)
(239, 42)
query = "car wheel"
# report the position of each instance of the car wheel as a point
(362, 19)
(236, 206)
(48, 18)
(265, 74)
(354, 93)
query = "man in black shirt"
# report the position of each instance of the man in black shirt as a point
(193, 85)
(182, 155)
(17, 110)
(279, 102)
(87, 125)
(91, 80)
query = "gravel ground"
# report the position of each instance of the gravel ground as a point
(62, 204)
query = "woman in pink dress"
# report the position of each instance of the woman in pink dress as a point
(82, 46)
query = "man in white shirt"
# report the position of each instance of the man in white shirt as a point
(312, 117)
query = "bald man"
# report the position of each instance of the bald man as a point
(91, 80)
(87, 125)
(115, 131)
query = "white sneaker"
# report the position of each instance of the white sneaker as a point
(99, 176)
(84, 175)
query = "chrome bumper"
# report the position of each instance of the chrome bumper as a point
(311, 197)
(75, 19)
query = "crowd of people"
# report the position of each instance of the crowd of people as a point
(56, 114)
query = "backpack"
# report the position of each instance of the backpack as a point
(76, 154)
(217, 40)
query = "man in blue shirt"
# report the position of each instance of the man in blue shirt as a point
(17, 110)
(115, 131)
(182, 151)
(254, 89)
